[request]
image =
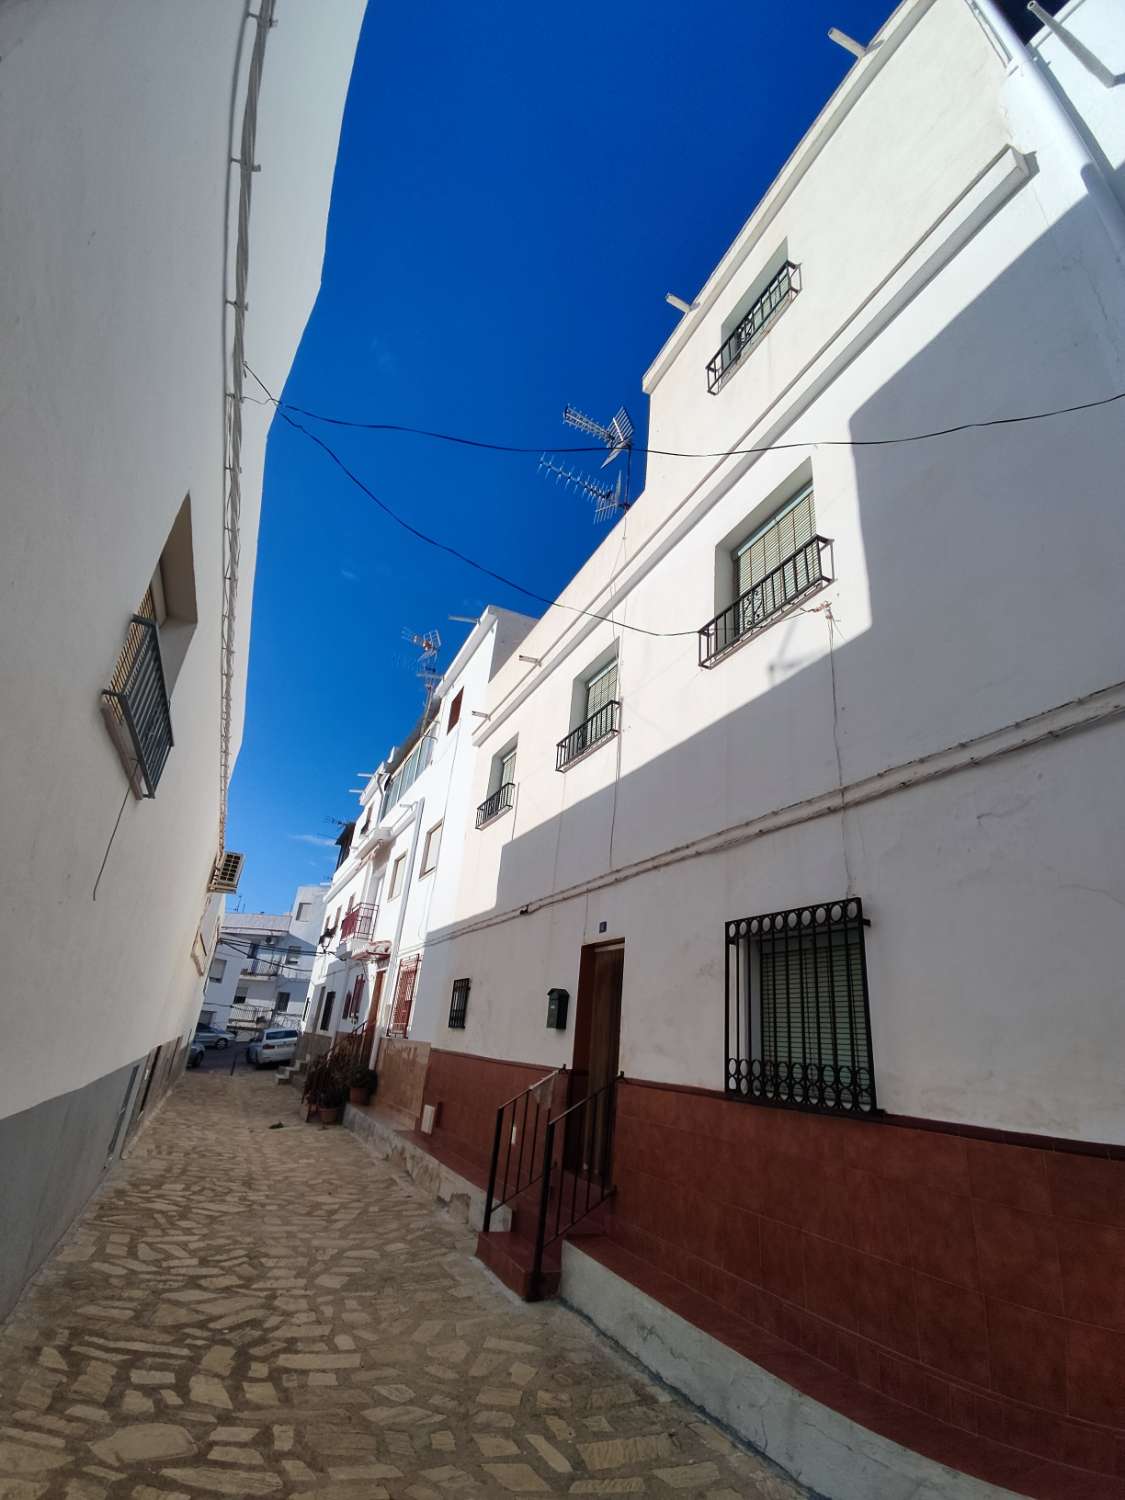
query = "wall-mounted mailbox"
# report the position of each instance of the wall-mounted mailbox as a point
(557, 1001)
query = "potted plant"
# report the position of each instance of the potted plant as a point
(332, 1101)
(362, 1083)
(326, 1089)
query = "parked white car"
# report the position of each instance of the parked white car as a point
(276, 1044)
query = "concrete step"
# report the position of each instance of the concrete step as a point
(511, 1257)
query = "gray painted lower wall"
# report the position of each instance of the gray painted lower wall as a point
(833, 1455)
(53, 1156)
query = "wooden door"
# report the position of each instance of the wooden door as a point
(597, 1039)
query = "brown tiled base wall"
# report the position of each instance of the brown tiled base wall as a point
(980, 1282)
(402, 1068)
(469, 1090)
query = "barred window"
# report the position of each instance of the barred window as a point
(785, 535)
(600, 689)
(798, 1017)
(459, 1004)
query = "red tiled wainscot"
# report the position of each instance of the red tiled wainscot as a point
(978, 1280)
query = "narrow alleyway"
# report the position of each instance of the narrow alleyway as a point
(245, 1311)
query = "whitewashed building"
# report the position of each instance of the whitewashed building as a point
(262, 963)
(399, 875)
(140, 266)
(812, 880)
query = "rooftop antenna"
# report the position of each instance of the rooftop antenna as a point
(609, 499)
(428, 643)
(617, 435)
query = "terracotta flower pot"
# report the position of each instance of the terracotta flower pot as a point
(329, 1114)
(359, 1096)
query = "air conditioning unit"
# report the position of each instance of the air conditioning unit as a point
(227, 872)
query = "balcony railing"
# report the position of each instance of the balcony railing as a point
(359, 923)
(598, 727)
(264, 968)
(793, 579)
(777, 296)
(501, 799)
(138, 699)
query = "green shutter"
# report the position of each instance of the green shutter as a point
(784, 534)
(601, 690)
(814, 964)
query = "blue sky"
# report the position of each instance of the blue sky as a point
(517, 187)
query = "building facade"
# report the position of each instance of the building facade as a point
(262, 964)
(139, 273)
(399, 876)
(811, 866)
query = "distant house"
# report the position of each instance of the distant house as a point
(397, 878)
(262, 963)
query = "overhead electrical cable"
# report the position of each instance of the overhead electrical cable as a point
(283, 408)
(875, 442)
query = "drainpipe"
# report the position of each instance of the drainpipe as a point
(1075, 151)
(407, 887)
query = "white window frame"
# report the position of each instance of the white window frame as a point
(221, 965)
(430, 854)
(396, 878)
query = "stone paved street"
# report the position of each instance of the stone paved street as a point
(245, 1311)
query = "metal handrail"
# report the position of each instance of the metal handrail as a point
(795, 577)
(499, 801)
(491, 1200)
(761, 313)
(598, 727)
(360, 921)
(596, 1148)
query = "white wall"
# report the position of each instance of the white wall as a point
(444, 792)
(953, 269)
(113, 169)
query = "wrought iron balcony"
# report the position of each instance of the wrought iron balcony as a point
(137, 701)
(264, 966)
(358, 925)
(500, 800)
(598, 727)
(776, 297)
(793, 579)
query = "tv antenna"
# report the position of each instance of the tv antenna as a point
(609, 499)
(617, 435)
(428, 643)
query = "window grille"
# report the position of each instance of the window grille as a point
(798, 1020)
(492, 806)
(137, 699)
(778, 564)
(404, 997)
(459, 1004)
(776, 297)
(602, 718)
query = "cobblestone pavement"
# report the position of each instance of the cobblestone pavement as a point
(245, 1311)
